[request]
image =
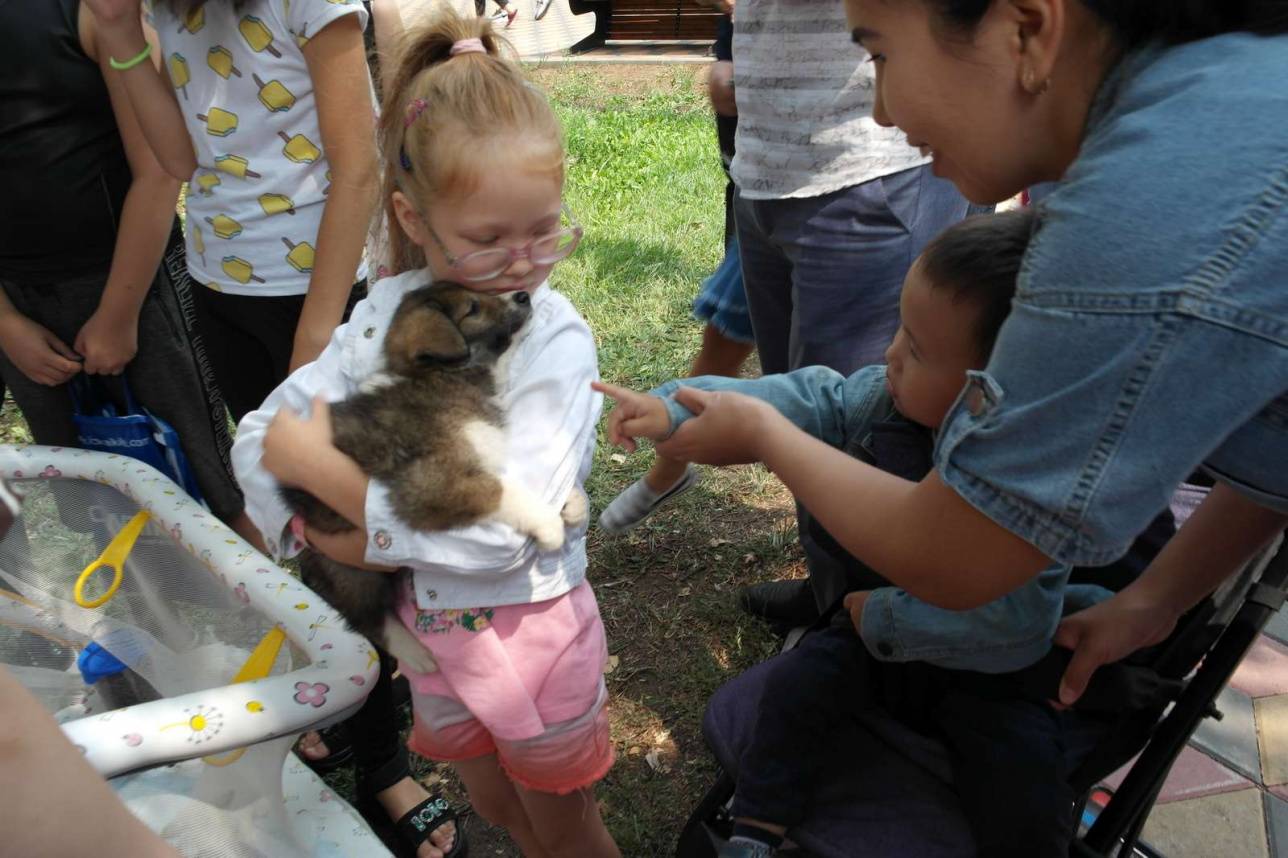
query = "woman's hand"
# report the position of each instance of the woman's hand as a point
(728, 429)
(296, 448)
(35, 351)
(108, 341)
(1109, 632)
(636, 415)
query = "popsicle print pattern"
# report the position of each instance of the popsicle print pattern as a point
(251, 57)
(299, 256)
(179, 74)
(224, 226)
(257, 35)
(219, 122)
(220, 60)
(299, 148)
(273, 95)
(240, 270)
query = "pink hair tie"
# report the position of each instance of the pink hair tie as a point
(468, 46)
(414, 110)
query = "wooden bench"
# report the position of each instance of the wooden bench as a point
(646, 21)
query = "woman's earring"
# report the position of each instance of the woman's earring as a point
(1030, 83)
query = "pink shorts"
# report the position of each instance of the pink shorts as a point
(524, 682)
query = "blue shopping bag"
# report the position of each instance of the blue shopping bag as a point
(137, 433)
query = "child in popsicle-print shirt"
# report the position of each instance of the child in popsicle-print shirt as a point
(265, 107)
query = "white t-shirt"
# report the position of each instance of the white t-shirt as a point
(804, 93)
(255, 201)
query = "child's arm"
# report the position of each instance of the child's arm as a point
(551, 412)
(819, 401)
(1007, 634)
(337, 65)
(970, 561)
(387, 20)
(121, 37)
(109, 339)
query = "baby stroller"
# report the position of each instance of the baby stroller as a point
(896, 798)
(180, 661)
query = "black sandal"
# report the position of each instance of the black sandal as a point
(424, 819)
(404, 837)
(339, 748)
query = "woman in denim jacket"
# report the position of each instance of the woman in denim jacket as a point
(1149, 335)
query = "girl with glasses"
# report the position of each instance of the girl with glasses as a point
(517, 702)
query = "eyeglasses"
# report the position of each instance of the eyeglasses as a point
(543, 250)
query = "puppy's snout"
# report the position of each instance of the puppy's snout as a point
(522, 298)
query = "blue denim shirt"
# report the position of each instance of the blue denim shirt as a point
(1149, 333)
(1005, 635)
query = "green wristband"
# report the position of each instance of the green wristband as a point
(132, 61)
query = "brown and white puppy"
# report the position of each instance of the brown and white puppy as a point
(429, 427)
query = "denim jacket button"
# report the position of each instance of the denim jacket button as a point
(431, 594)
(885, 649)
(383, 540)
(369, 332)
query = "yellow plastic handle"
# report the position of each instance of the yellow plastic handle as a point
(257, 666)
(260, 663)
(114, 556)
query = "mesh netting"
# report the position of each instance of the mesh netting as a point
(175, 626)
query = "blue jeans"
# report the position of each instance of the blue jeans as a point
(823, 276)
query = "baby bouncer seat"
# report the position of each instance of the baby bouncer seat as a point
(179, 660)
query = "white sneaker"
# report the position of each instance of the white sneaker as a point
(637, 502)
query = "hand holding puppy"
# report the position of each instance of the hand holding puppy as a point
(295, 446)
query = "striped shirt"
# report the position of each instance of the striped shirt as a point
(805, 94)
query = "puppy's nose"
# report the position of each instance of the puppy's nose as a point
(522, 298)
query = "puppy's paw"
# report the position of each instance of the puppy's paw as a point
(404, 646)
(576, 510)
(548, 531)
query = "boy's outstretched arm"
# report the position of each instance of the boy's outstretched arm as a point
(970, 560)
(815, 399)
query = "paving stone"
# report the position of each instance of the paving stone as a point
(1272, 729)
(1277, 628)
(1195, 774)
(1264, 671)
(1277, 822)
(1233, 739)
(1230, 824)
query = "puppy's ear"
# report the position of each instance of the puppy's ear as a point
(426, 336)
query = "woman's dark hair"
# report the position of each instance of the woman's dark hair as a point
(978, 261)
(1138, 21)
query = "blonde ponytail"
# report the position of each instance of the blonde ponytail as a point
(446, 115)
